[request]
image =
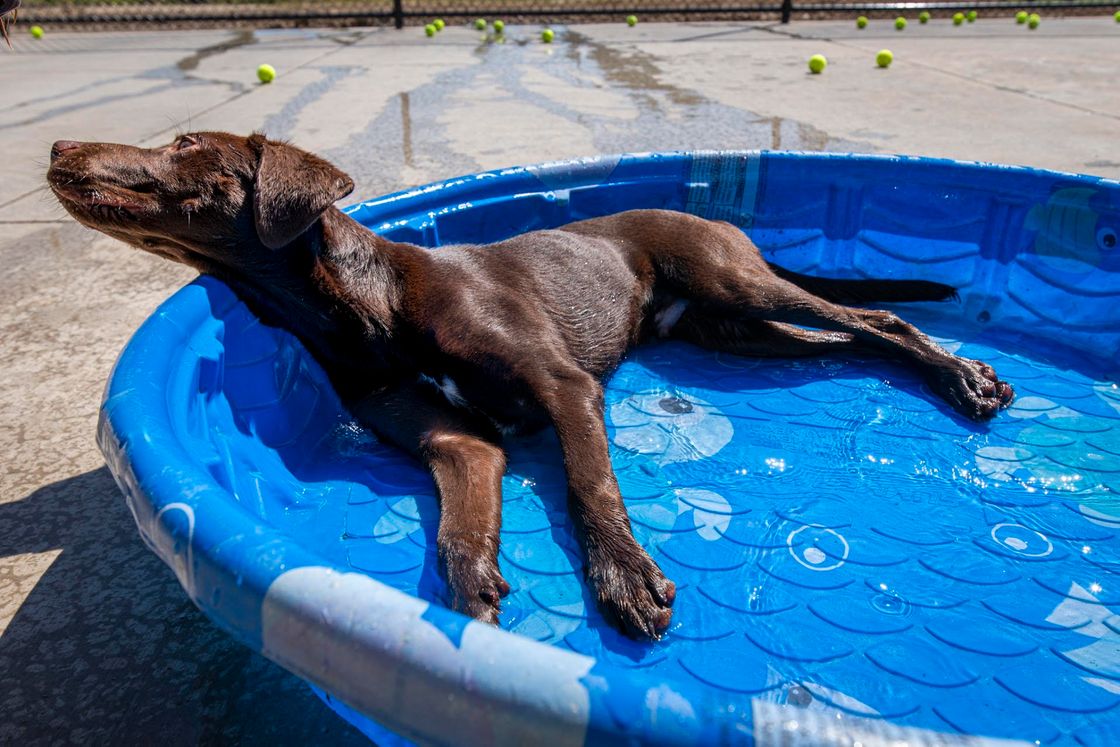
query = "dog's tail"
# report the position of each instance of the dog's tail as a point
(857, 292)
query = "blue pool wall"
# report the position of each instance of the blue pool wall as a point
(1029, 250)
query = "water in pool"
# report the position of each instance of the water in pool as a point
(840, 539)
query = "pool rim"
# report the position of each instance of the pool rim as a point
(155, 470)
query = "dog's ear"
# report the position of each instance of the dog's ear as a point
(292, 189)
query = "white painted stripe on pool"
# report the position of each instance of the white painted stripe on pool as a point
(778, 725)
(370, 646)
(750, 188)
(164, 545)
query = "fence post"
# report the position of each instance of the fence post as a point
(787, 10)
(398, 14)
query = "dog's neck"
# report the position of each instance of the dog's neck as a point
(339, 283)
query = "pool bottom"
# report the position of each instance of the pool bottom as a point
(841, 541)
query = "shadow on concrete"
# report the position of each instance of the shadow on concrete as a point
(108, 649)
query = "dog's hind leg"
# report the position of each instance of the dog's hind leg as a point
(730, 276)
(467, 464)
(759, 338)
(971, 387)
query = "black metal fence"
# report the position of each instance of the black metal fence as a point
(288, 13)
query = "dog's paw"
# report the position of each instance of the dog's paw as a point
(475, 585)
(972, 388)
(632, 591)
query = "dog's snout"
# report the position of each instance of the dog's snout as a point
(63, 146)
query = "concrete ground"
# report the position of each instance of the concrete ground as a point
(98, 644)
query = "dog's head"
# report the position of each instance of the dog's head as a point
(207, 199)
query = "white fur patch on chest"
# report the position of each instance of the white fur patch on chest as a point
(449, 388)
(668, 317)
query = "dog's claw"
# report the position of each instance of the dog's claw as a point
(496, 592)
(633, 592)
(972, 388)
(665, 593)
(475, 585)
(986, 371)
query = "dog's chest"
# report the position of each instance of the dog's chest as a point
(510, 407)
(667, 316)
(447, 386)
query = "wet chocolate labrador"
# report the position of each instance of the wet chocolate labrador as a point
(442, 352)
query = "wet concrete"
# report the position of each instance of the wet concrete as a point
(191, 61)
(97, 642)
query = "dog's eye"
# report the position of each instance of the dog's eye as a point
(185, 141)
(149, 243)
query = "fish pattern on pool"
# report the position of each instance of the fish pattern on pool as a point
(841, 541)
(839, 538)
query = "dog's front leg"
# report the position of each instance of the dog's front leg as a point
(467, 464)
(468, 473)
(630, 588)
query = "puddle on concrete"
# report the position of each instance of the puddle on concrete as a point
(191, 61)
(787, 134)
(282, 124)
(166, 77)
(642, 113)
(406, 128)
(344, 37)
(725, 126)
(244, 38)
(628, 68)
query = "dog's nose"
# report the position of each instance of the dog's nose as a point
(63, 146)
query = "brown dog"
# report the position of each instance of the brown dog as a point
(441, 351)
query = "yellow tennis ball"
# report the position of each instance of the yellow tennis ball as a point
(1022, 16)
(429, 30)
(884, 58)
(499, 26)
(480, 24)
(924, 16)
(900, 23)
(439, 24)
(1034, 20)
(266, 73)
(971, 16)
(36, 32)
(817, 63)
(547, 36)
(861, 22)
(958, 19)
(631, 20)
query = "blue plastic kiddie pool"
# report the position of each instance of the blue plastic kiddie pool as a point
(855, 562)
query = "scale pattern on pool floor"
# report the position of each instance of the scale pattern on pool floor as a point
(839, 538)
